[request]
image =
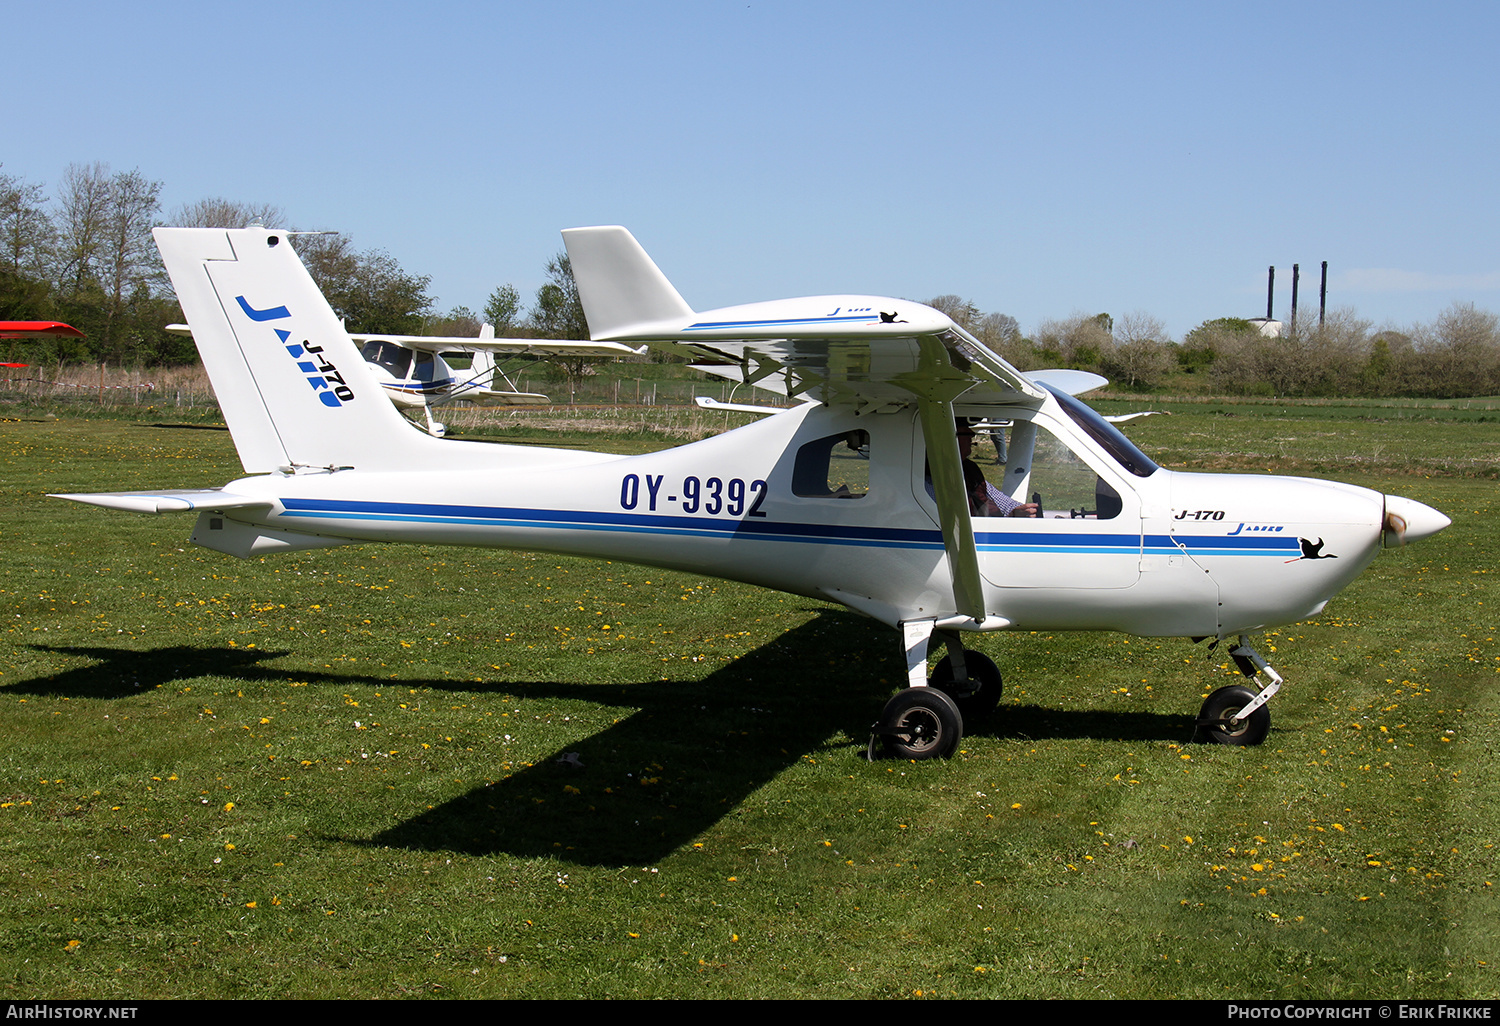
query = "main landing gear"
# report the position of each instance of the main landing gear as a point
(1237, 715)
(926, 721)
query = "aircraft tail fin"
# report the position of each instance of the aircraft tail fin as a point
(624, 293)
(293, 387)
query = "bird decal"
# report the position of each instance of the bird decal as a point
(1314, 550)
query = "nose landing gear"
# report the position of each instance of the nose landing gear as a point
(1237, 715)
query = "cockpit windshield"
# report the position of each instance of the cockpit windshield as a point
(1106, 434)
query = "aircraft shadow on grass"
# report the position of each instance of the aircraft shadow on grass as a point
(659, 777)
(186, 427)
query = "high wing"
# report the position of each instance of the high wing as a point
(428, 380)
(866, 352)
(516, 346)
(10, 330)
(509, 346)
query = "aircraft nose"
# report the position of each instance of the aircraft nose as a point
(1407, 520)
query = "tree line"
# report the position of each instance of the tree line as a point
(85, 256)
(1456, 355)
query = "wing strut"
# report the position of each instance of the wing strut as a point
(936, 383)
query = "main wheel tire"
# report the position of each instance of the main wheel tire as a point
(1224, 703)
(929, 724)
(977, 697)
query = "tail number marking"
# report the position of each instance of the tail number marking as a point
(713, 496)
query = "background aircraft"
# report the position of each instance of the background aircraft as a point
(37, 329)
(861, 495)
(421, 372)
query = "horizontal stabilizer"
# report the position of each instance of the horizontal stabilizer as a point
(171, 501)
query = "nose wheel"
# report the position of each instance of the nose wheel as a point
(1223, 720)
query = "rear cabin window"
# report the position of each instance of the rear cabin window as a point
(836, 467)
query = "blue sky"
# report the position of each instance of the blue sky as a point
(1038, 159)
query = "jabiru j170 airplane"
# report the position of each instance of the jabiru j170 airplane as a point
(864, 494)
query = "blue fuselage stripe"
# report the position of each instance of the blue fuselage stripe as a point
(418, 387)
(779, 322)
(1072, 543)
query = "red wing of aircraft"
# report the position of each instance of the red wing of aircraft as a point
(37, 329)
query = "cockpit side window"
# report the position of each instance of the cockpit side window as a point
(835, 467)
(1027, 463)
(388, 355)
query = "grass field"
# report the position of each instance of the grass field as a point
(336, 774)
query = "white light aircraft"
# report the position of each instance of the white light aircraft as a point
(862, 495)
(417, 372)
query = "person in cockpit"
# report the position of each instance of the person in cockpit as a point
(985, 500)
